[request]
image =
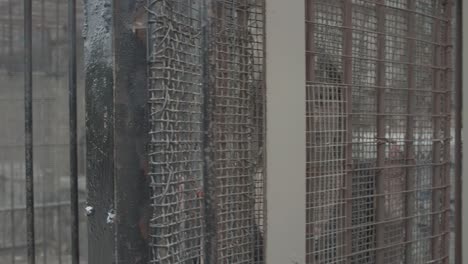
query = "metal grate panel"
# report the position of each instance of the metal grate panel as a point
(378, 131)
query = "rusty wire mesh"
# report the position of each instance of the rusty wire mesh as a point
(378, 131)
(235, 79)
(206, 98)
(175, 152)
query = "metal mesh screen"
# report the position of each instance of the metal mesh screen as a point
(235, 79)
(378, 131)
(176, 132)
(206, 149)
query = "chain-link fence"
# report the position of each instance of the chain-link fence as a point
(378, 131)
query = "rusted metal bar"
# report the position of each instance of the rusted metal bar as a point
(209, 181)
(458, 129)
(348, 81)
(12, 218)
(409, 137)
(430, 66)
(310, 78)
(447, 84)
(437, 144)
(310, 41)
(43, 28)
(380, 121)
(129, 137)
(4, 36)
(263, 137)
(364, 30)
(44, 220)
(115, 132)
(10, 33)
(57, 35)
(210, 227)
(28, 135)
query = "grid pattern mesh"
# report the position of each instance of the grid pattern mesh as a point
(175, 151)
(206, 89)
(234, 76)
(378, 131)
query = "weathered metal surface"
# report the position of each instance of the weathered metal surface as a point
(99, 128)
(458, 128)
(130, 137)
(437, 139)
(382, 142)
(28, 133)
(409, 137)
(347, 69)
(116, 133)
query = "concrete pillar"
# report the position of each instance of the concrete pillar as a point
(285, 134)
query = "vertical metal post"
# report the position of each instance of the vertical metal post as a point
(409, 137)
(57, 36)
(5, 193)
(75, 255)
(44, 218)
(463, 178)
(12, 216)
(115, 94)
(43, 27)
(57, 69)
(348, 81)
(99, 88)
(436, 137)
(28, 112)
(381, 142)
(47, 123)
(4, 48)
(10, 33)
(13, 174)
(310, 41)
(129, 96)
(310, 78)
(210, 228)
(447, 83)
(458, 129)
